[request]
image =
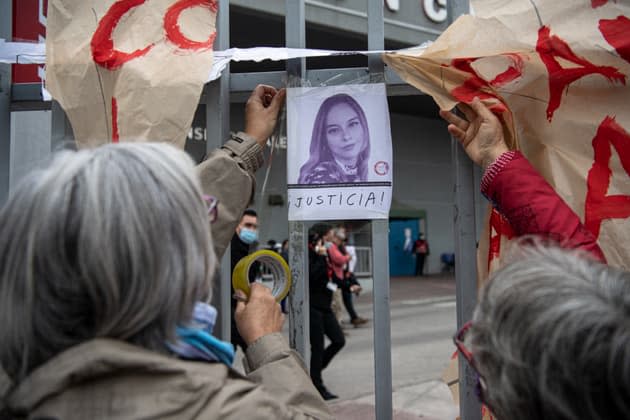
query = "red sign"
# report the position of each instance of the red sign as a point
(29, 24)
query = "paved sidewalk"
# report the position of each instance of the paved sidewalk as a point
(422, 396)
(427, 401)
(435, 286)
(423, 321)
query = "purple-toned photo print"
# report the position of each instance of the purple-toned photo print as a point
(340, 144)
(339, 153)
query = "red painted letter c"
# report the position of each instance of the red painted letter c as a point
(174, 33)
(103, 51)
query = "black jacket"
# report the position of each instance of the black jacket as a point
(320, 295)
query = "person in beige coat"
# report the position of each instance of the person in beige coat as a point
(105, 258)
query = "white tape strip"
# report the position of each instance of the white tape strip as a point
(32, 53)
(22, 52)
(222, 58)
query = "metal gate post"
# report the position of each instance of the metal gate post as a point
(465, 251)
(5, 104)
(217, 130)
(465, 271)
(299, 316)
(380, 234)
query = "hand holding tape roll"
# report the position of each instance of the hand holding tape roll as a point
(277, 266)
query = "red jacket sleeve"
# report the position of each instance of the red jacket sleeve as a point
(336, 257)
(532, 206)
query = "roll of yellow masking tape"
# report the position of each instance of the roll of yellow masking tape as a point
(278, 271)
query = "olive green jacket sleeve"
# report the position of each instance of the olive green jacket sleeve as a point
(228, 174)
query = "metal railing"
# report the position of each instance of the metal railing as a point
(363, 267)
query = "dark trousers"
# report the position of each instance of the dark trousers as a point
(347, 302)
(323, 322)
(420, 264)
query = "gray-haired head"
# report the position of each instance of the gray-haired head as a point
(340, 233)
(111, 242)
(551, 337)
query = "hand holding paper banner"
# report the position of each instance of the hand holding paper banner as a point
(129, 70)
(560, 87)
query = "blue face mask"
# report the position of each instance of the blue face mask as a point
(248, 236)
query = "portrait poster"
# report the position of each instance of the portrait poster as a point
(339, 148)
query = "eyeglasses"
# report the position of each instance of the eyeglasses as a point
(212, 204)
(459, 339)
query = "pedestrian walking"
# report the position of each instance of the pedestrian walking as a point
(421, 250)
(348, 284)
(323, 322)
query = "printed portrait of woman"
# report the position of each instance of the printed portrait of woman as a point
(340, 143)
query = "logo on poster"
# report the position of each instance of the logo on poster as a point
(381, 168)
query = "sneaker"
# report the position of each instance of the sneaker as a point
(358, 321)
(327, 395)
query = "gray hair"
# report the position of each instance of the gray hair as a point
(551, 337)
(340, 232)
(111, 242)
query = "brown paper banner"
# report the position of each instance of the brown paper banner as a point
(558, 74)
(129, 70)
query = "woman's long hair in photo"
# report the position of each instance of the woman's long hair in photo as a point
(319, 150)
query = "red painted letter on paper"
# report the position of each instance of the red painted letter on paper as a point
(617, 33)
(551, 47)
(103, 51)
(499, 226)
(475, 86)
(174, 33)
(600, 206)
(115, 133)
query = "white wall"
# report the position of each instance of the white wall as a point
(423, 178)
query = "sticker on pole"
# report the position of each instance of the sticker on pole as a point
(339, 153)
